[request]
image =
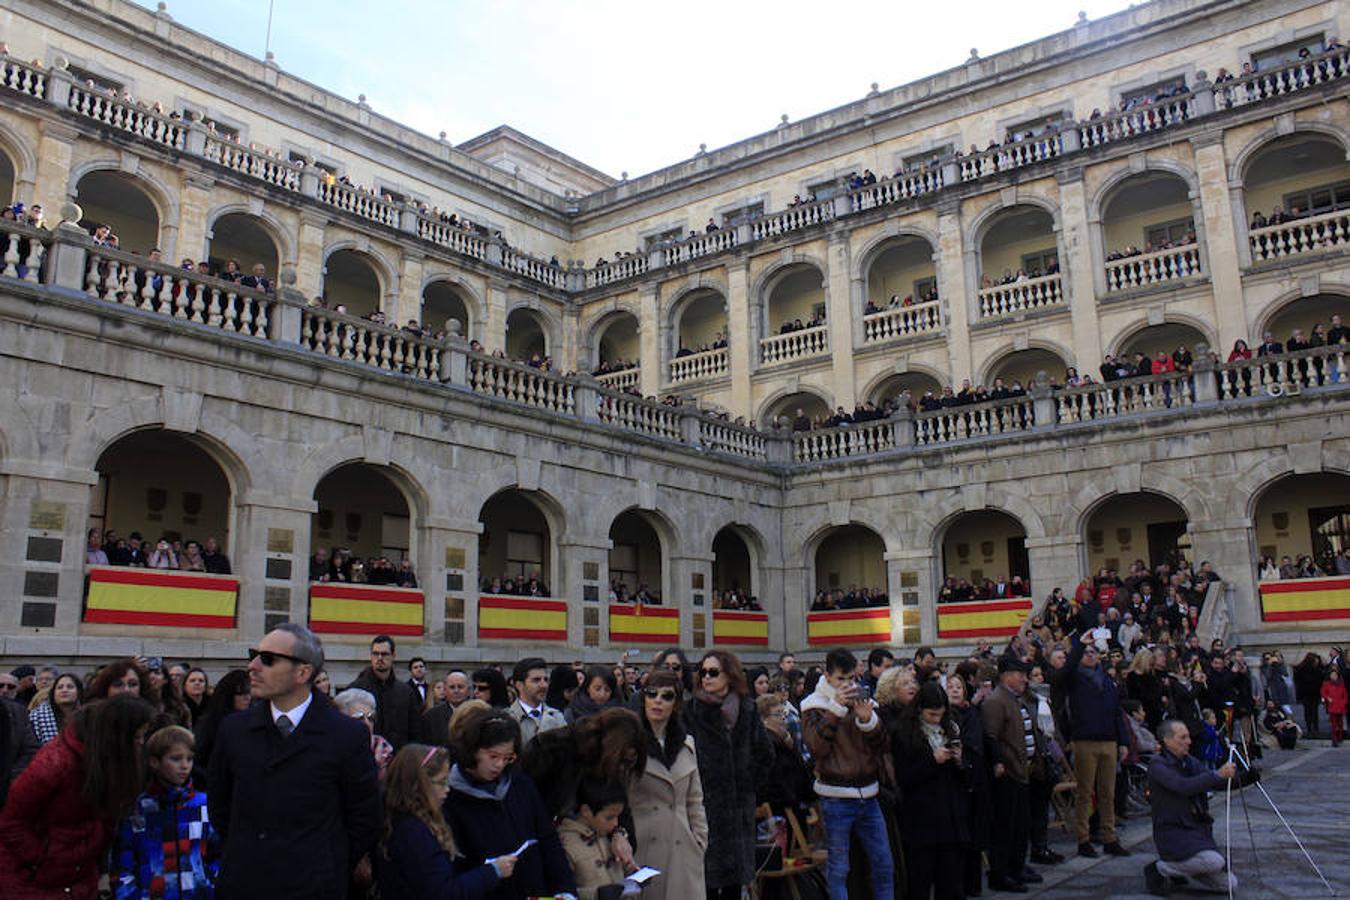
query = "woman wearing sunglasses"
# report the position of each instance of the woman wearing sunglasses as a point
(667, 800)
(731, 745)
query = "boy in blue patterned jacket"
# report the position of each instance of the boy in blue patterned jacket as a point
(165, 849)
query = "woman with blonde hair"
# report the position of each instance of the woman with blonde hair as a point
(415, 858)
(1145, 684)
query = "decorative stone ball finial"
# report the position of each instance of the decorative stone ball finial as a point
(71, 214)
(702, 149)
(974, 55)
(452, 327)
(876, 89)
(287, 275)
(783, 119)
(61, 63)
(1082, 18)
(269, 57)
(1042, 379)
(442, 137)
(162, 6)
(623, 176)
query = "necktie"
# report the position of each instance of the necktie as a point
(536, 714)
(285, 726)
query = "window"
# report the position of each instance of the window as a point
(1330, 529)
(1311, 201)
(623, 565)
(665, 237)
(1169, 232)
(84, 76)
(524, 554)
(923, 287)
(824, 190)
(1036, 126)
(818, 311)
(391, 194)
(229, 132)
(744, 214)
(1040, 263)
(930, 158)
(1278, 56)
(1165, 88)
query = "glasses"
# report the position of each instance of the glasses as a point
(711, 672)
(482, 687)
(675, 667)
(269, 657)
(665, 694)
(9, 687)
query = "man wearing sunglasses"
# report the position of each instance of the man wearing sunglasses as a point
(294, 794)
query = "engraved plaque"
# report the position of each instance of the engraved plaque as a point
(590, 571)
(454, 557)
(280, 540)
(47, 515)
(909, 579)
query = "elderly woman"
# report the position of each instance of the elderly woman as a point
(356, 703)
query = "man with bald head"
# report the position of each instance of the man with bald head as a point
(434, 726)
(1183, 830)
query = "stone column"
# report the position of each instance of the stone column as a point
(572, 355)
(309, 259)
(651, 358)
(56, 146)
(193, 204)
(447, 570)
(493, 335)
(409, 304)
(796, 589)
(742, 336)
(1220, 241)
(958, 280)
(684, 596)
(1228, 544)
(574, 552)
(911, 584)
(1055, 561)
(270, 550)
(839, 320)
(44, 515)
(1081, 273)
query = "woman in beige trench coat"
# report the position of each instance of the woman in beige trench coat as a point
(667, 801)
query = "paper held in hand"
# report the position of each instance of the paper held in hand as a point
(644, 875)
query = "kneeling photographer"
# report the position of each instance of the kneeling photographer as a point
(1182, 826)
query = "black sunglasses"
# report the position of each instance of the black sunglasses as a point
(482, 687)
(269, 657)
(665, 694)
(709, 673)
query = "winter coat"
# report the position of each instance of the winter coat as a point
(1184, 705)
(1148, 690)
(934, 799)
(18, 744)
(549, 719)
(50, 838)
(672, 826)
(1308, 682)
(1177, 794)
(847, 752)
(419, 868)
(141, 868)
(591, 856)
(1277, 685)
(1334, 697)
(1094, 700)
(491, 820)
(583, 706)
(728, 764)
(398, 708)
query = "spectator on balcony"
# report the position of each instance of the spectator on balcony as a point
(258, 280)
(711, 226)
(95, 555)
(231, 272)
(162, 557)
(190, 560)
(1162, 364)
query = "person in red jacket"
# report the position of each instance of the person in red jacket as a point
(1334, 699)
(60, 815)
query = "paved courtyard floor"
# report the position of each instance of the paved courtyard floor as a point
(1310, 786)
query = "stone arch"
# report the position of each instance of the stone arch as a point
(753, 542)
(787, 391)
(610, 314)
(266, 221)
(668, 545)
(1111, 185)
(870, 571)
(139, 186)
(998, 356)
(164, 199)
(921, 369)
(18, 432)
(764, 283)
(878, 245)
(549, 508)
(1131, 330)
(384, 269)
(548, 323)
(1255, 482)
(930, 529)
(687, 297)
(355, 448)
(1097, 492)
(986, 218)
(1285, 301)
(1237, 168)
(473, 298)
(24, 161)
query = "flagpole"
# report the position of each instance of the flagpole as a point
(268, 42)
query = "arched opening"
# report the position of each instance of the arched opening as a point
(1304, 314)
(7, 177)
(903, 274)
(981, 550)
(892, 388)
(119, 201)
(1019, 242)
(1021, 367)
(160, 485)
(245, 239)
(617, 344)
(1165, 338)
(636, 559)
(1303, 174)
(1139, 526)
(796, 300)
(1147, 212)
(362, 516)
(795, 406)
(516, 544)
(700, 322)
(850, 569)
(352, 282)
(441, 302)
(733, 569)
(1304, 515)
(526, 338)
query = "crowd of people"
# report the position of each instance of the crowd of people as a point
(854, 598)
(790, 325)
(610, 366)
(1130, 251)
(531, 585)
(735, 598)
(1019, 275)
(644, 595)
(719, 342)
(962, 590)
(339, 565)
(108, 548)
(928, 294)
(1305, 566)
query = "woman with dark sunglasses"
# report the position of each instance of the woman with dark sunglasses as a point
(230, 696)
(731, 745)
(667, 800)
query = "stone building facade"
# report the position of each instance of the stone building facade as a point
(150, 399)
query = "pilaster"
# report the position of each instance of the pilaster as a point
(575, 554)
(651, 361)
(1220, 241)
(1055, 561)
(493, 335)
(447, 570)
(1079, 266)
(742, 340)
(1230, 546)
(957, 283)
(55, 150)
(409, 305)
(687, 573)
(270, 546)
(309, 261)
(839, 321)
(194, 239)
(911, 585)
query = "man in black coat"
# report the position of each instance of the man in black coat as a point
(18, 744)
(294, 794)
(397, 706)
(1182, 827)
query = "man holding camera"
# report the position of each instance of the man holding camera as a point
(1182, 826)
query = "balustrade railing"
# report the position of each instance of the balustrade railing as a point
(957, 423)
(618, 270)
(460, 240)
(1148, 269)
(1012, 155)
(902, 321)
(358, 202)
(1095, 402)
(23, 78)
(726, 437)
(698, 245)
(1295, 75)
(520, 383)
(533, 268)
(706, 364)
(350, 338)
(1288, 373)
(24, 250)
(793, 218)
(129, 280)
(1307, 235)
(902, 187)
(1149, 117)
(846, 440)
(1020, 296)
(252, 162)
(643, 416)
(794, 345)
(125, 115)
(625, 378)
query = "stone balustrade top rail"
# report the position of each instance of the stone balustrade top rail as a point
(190, 136)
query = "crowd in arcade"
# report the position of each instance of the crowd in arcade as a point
(340, 566)
(853, 598)
(171, 551)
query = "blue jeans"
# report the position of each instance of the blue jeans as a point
(842, 819)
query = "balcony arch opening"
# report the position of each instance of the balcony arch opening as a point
(794, 299)
(981, 550)
(441, 302)
(351, 283)
(699, 334)
(1019, 240)
(1167, 337)
(734, 573)
(1303, 515)
(247, 241)
(1142, 526)
(123, 203)
(850, 569)
(902, 274)
(1021, 366)
(637, 559)
(1304, 173)
(518, 542)
(8, 177)
(157, 484)
(794, 406)
(364, 519)
(618, 345)
(526, 336)
(1145, 213)
(1302, 315)
(893, 387)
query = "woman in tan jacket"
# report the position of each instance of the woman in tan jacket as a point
(667, 801)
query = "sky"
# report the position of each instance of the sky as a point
(622, 86)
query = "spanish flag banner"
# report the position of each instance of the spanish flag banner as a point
(746, 629)
(122, 596)
(1305, 599)
(983, 618)
(521, 618)
(365, 609)
(849, 626)
(629, 624)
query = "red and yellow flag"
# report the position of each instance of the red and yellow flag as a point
(983, 618)
(521, 618)
(122, 596)
(1305, 599)
(849, 626)
(365, 609)
(739, 627)
(639, 624)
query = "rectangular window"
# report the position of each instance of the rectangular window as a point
(1175, 232)
(1042, 262)
(665, 237)
(623, 565)
(85, 77)
(1165, 88)
(744, 214)
(395, 196)
(925, 289)
(824, 190)
(930, 158)
(1312, 201)
(1275, 57)
(1330, 529)
(1035, 127)
(524, 554)
(229, 132)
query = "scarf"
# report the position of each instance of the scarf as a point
(730, 704)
